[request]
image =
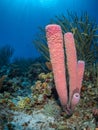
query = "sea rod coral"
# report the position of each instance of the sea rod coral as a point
(69, 96)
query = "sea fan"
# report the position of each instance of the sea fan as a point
(85, 31)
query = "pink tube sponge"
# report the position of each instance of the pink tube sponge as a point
(55, 44)
(80, 67)
(75, 99)
(71, 61)
(69, 97)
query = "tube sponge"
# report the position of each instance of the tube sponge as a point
(55, 44)
(80, 72)
(71, 61)
(69, 97)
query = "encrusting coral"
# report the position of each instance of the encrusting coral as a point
(42, 90)
(69, 97)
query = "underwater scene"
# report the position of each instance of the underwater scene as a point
(48, 65)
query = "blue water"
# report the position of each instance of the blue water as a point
(20, 19)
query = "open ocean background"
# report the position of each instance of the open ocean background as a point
(20, 19)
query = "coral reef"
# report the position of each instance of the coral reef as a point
(37, 112)
(28, 98)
